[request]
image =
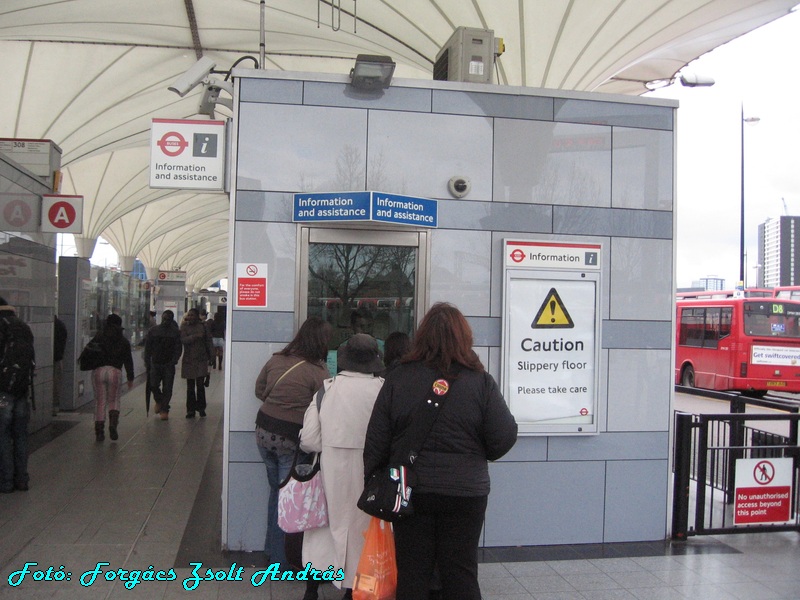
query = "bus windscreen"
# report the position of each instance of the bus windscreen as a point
(771, 319)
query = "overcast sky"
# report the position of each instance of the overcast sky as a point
(760, 72)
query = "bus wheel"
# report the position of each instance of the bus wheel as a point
(687, 378)
(755, 393)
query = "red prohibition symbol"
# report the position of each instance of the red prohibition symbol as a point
(172, 143)
(251, 270)
(517, 255)
(764, 472)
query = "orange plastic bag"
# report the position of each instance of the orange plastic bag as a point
(376, 576)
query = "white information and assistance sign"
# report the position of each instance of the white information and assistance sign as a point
(187, 154)
(551, 331)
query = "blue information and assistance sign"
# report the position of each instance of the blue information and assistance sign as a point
(365, 206)
(391, 208)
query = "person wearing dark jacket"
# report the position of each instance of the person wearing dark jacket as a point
(14, 408)
(162, 350)
(396, 346)
(197, 352)
(451, 469)
(59, 346)
(107, 377)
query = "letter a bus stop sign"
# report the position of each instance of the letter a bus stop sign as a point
(551, 328)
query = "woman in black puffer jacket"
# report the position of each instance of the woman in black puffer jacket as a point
(451, 470)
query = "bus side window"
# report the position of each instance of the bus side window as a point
(725, 322)
(711, 337)
(691, 327)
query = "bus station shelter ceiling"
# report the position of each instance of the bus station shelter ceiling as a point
(90, 75)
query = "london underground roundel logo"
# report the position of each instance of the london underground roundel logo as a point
(172, 143)
(517, 255)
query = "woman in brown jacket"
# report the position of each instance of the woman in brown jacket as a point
(286, 385)
(194, 364)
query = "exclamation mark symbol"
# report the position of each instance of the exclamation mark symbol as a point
(552, 311)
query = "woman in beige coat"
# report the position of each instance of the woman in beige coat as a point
(337, 429)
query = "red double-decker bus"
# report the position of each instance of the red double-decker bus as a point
(790, 292)
(750, 345)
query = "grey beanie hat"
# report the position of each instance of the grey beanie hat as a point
(361, 354)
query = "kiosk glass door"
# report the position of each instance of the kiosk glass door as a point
(363, 281)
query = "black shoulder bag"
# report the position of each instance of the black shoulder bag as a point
(387, 493)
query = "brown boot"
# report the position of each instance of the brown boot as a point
(99, 434)
(113, 421)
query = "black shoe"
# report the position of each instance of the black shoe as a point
(202, 413)
(7, 490)
(190, 415)
(22, 487)
(207, 381)
(312, 590)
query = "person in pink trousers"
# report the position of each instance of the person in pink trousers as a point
(107, 378)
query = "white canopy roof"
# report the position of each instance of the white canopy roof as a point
(91, 74)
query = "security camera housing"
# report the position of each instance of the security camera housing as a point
(193, 77)
(459, 186)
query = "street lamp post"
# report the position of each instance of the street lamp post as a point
(741, 217)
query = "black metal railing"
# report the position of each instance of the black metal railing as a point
(705, 454)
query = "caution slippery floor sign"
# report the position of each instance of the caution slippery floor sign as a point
(550, 346)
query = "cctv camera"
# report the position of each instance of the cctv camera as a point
(211, 98)
(459, 186)
(193, 77)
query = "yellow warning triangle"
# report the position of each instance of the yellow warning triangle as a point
(552, 314)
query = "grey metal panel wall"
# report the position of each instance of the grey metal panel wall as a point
(27, 282)
(609, 487)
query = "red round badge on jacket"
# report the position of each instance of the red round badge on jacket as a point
(440, 387)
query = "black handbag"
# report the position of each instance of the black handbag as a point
(92, 356)
(387, 492)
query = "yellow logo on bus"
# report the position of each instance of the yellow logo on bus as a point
(776, 384)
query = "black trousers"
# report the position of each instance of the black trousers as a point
(161, 378)
(444, 532)
(195, 395)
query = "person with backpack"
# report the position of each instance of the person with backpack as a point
(107, 376)
(17, 364)
(162, 350)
